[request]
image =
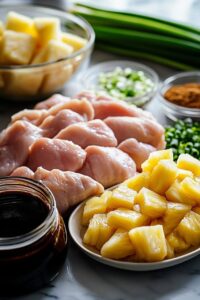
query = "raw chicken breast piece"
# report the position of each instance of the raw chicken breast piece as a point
(138, 151)
(94, 132)
(55, 154)
(108, 165)
(92, 97)
(33, 116)
(54, 124)
(104, 109)
(23, 172)
(53, 100)
(14, 145)
(144, 130)
(68, 188)
(82, 107)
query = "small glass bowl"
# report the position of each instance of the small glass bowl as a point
(90, 79)
(36, 82)
(173, 111)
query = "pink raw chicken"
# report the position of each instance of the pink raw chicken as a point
(54, 124)
(69, 188)
(92, 97)
(108, 165)
(14, 145)
(56, 154)
(53, 100)
(144, 130)
(34, 116)
(139, 152)
(104, 109)
(23, 172)
(94, 132)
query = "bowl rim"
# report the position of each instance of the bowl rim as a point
(120, 63)
(170, 80)
(68, 16)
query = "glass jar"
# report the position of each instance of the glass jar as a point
(33, 238)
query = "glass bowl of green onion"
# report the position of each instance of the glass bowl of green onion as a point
(123, 80)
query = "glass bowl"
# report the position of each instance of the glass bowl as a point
(91, 77)
(36, 82)
(173, 111)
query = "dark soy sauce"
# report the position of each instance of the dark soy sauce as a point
(20, 213)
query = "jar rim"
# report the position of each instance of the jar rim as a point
(19, 241)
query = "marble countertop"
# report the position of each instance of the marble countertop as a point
(81, 278)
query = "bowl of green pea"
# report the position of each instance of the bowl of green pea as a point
(123, 80)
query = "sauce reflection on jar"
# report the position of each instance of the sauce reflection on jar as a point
(33, 238)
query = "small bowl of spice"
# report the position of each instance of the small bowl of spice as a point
(123, 80)
(180, 95)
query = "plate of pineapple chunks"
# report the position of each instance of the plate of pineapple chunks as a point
(148, 222)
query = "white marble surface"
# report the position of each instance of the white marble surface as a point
(84, 279)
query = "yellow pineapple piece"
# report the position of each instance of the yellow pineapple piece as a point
(196, 209)
(170, 250)
(20, 23)
(98, 231)
(173, 215)
(122, 196)
(95, 205)
(163, 175)
(54, 51)
(189, 228)
(48, 29)
(191, 189)
(139, 181)
(155, 157)
(183, 174)
(17, 48)
(1, 28)
(175, 194)
(176, 242)
(126, 218)
(118, 246)
(149, 242)
(188, 162)
(75, 41)
(151, 204)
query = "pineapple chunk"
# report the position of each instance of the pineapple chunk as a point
(73, 40)
(170, 250)
(189, 228)
(175, 194)
(151, 204)
(122, 196)
(149, 242)
(20, 23)
(155, 157)
(48, 29)
(163, 175)
(196, 209)
(118, 246)
(191, 189)
(183, 174)
(126, 218)
(98, 231)
(95, 205)
(54, 51)
(17, 48)
(139, 181)
(188, 162)
(177, 243)
(174, 214)
(1, 28)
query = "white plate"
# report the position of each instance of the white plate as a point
(76, 230)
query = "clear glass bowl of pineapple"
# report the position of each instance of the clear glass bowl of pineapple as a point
(40, 50)
(150, 221)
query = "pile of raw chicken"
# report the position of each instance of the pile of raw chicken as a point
(78, 146)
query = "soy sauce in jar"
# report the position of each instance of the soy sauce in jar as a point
(33, 239)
